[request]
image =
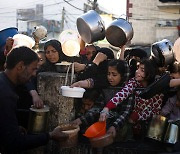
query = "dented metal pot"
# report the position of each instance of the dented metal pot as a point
(91, 27)
(119, 32)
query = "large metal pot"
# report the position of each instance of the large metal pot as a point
(91, 27)
(119, 32)
(157, 128)
(70, 41)
(38, 120)
(162, 52)
(176, 49)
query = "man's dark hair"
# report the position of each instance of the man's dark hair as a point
(23, 53)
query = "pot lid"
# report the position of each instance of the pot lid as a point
(44, 109)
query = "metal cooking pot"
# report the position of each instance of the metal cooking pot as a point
(91, 27)
(171, 135)
(70, 41)
(38, 120)
(176, 49)
(119, 32)
(162, 52)
(40, 32)
(157, 127)
(156, 87)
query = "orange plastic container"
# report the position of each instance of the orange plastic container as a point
(97, 129)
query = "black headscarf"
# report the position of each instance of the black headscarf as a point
(48, 66)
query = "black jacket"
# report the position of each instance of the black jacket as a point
(11, 139)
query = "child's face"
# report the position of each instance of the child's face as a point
(140, 73)
(114, 78)
(87, 104)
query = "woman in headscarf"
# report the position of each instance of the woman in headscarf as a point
(54, 54)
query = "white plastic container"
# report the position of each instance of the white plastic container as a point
(75, 92)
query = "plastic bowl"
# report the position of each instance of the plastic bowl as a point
(97, 129)
(5, 33)
(99, 142)
(72, 131)
(75, 92)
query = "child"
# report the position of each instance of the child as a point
(88, 101)
(115, 78)
(144, 108)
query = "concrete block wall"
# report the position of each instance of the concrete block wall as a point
(145, 16)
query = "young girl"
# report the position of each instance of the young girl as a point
(144, 108)
(115, 78)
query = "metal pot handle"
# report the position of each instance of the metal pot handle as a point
(72, 74)
(125, 16)
(100, 25)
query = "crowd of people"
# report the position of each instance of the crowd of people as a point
(114, 92)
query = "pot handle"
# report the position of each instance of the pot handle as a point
(101, 25)
(72, 74)
(125, 16)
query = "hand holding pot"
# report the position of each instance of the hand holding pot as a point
(100, 57)
(58, 135)
(79, 67)
(103, 114)
(81, 84)
(37, 101)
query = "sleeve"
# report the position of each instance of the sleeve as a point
(122, 94)
(168, 107)
(90, 71)
(90, 117)
(31, 84)
(153, 108)
(123, 117)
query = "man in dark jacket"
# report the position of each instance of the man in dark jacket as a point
(21, 64)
